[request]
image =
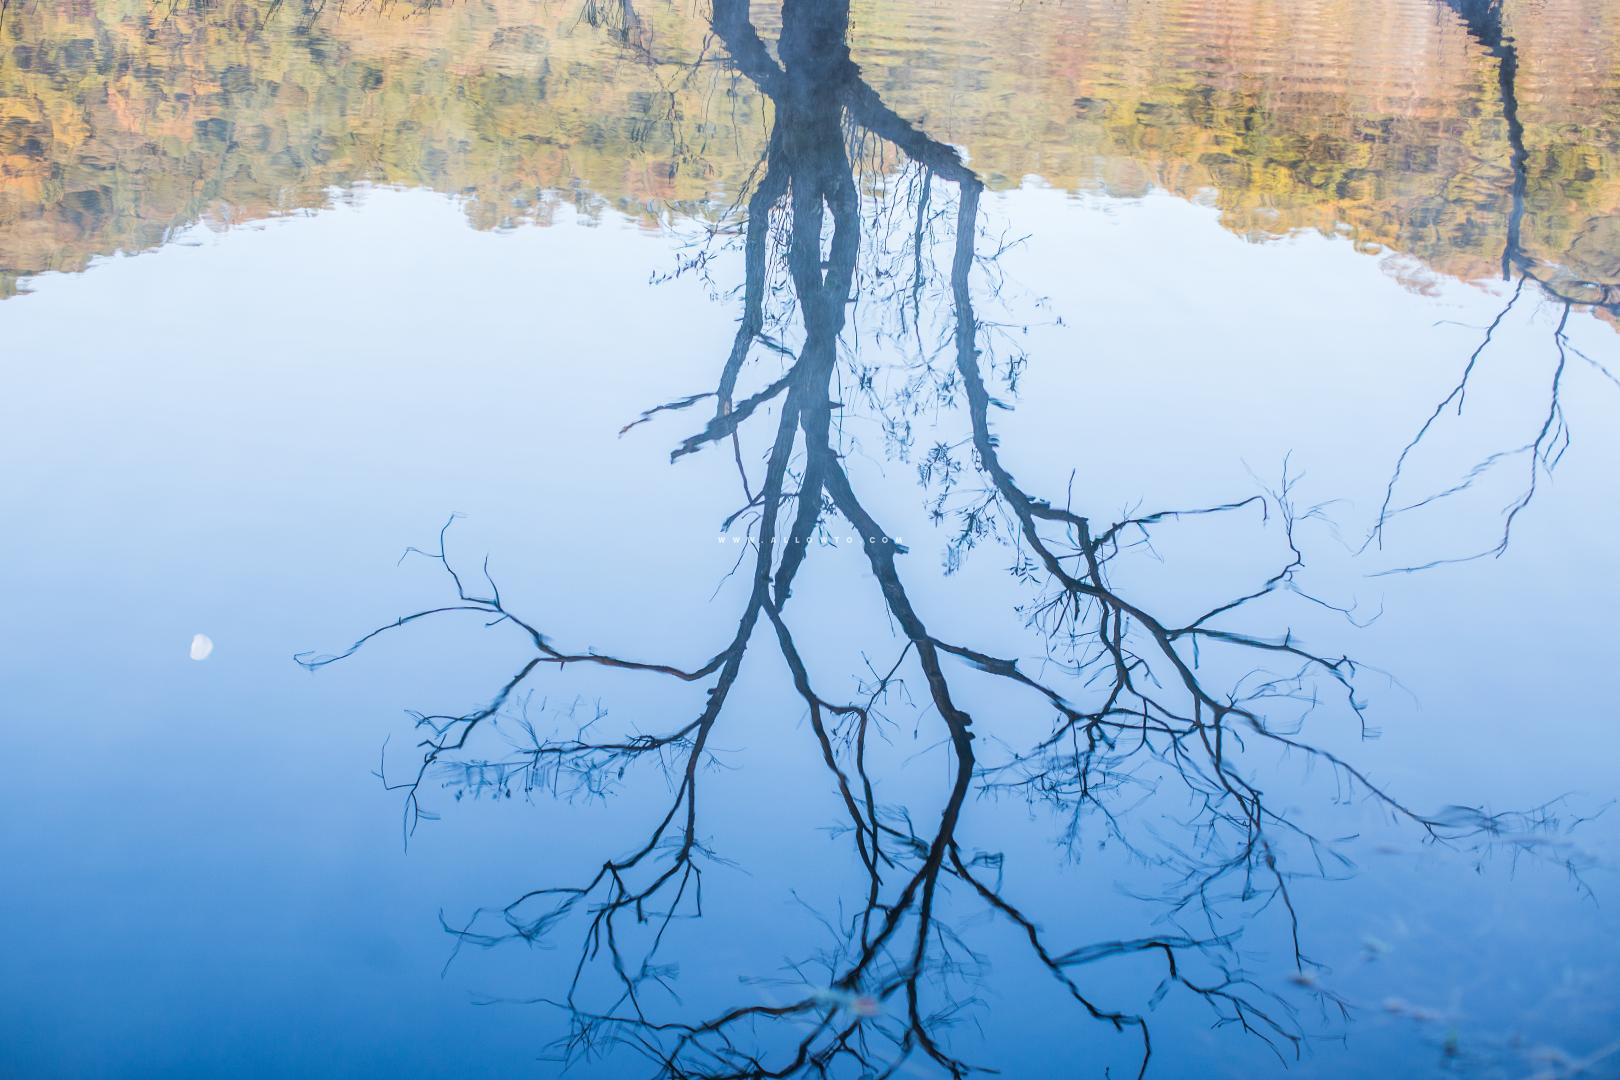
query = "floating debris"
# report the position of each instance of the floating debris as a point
(1561, 1064)
(1401, 1007)
(1373, 948)
(836, 998)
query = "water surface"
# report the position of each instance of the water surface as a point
(1113, 571)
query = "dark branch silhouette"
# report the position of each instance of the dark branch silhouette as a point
(1549, 435)
(1138, 710)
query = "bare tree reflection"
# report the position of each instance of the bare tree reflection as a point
(1548, 435)
(1133, 707)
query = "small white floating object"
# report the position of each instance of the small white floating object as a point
(201, 646)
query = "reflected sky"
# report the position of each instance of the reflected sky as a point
(238, 432)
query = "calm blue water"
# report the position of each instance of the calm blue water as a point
(238, 433)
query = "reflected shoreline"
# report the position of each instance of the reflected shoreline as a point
(564, 112)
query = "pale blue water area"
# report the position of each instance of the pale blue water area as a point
(239, 433)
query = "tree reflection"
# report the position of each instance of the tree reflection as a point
(1548, 433)
(1144, 729)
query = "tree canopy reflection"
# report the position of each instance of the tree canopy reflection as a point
(124, 122)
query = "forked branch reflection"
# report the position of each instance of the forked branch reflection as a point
(1139, 712)
(1546, 435)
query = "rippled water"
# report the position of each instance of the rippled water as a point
(1072, 538)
